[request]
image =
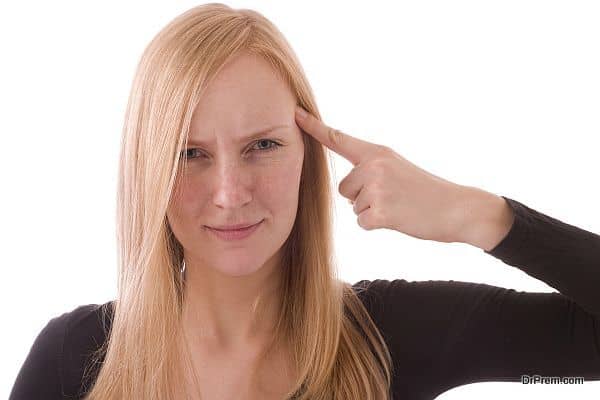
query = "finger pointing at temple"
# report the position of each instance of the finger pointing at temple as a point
(351, 148)
(388, 191)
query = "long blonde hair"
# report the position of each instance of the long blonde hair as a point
(338, 351)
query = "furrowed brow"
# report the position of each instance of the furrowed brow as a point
(255, 135)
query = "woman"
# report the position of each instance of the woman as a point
(215, 137)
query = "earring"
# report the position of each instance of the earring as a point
(182, 271)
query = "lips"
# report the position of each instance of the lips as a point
(233, 227)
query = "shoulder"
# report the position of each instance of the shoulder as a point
(374, 292)
(52, 357)
(86, 329)
(395, 305)
(385, 291)
(86, 324)
(417, 319)
(379, 295)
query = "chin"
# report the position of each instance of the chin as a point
(236, 266)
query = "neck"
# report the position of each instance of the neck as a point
(231, 312)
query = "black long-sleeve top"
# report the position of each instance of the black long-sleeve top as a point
(441, 334)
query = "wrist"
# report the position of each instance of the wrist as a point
(488, 218)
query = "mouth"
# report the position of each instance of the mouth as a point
(234, 234)
(237, 227)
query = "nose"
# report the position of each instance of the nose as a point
(232, 186)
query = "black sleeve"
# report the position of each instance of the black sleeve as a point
(39, 376)
(444, 334)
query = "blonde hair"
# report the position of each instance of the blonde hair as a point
(337, 355)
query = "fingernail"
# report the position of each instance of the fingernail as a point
(301, 113)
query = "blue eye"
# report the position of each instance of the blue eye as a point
(189, 153)
(275, 144)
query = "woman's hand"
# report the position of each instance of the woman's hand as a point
(389, 191)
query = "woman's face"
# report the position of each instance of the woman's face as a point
(230, 178)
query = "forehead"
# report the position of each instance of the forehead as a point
(246, 94)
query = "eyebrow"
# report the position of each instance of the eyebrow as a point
(254, 135)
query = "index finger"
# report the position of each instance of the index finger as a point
(351, 148)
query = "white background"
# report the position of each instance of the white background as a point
(500, 95)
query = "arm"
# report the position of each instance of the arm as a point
(443, 334)
(562, 255)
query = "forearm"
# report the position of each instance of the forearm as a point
(488, 218)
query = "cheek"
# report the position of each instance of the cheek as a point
(184, 200)
(279, 184)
